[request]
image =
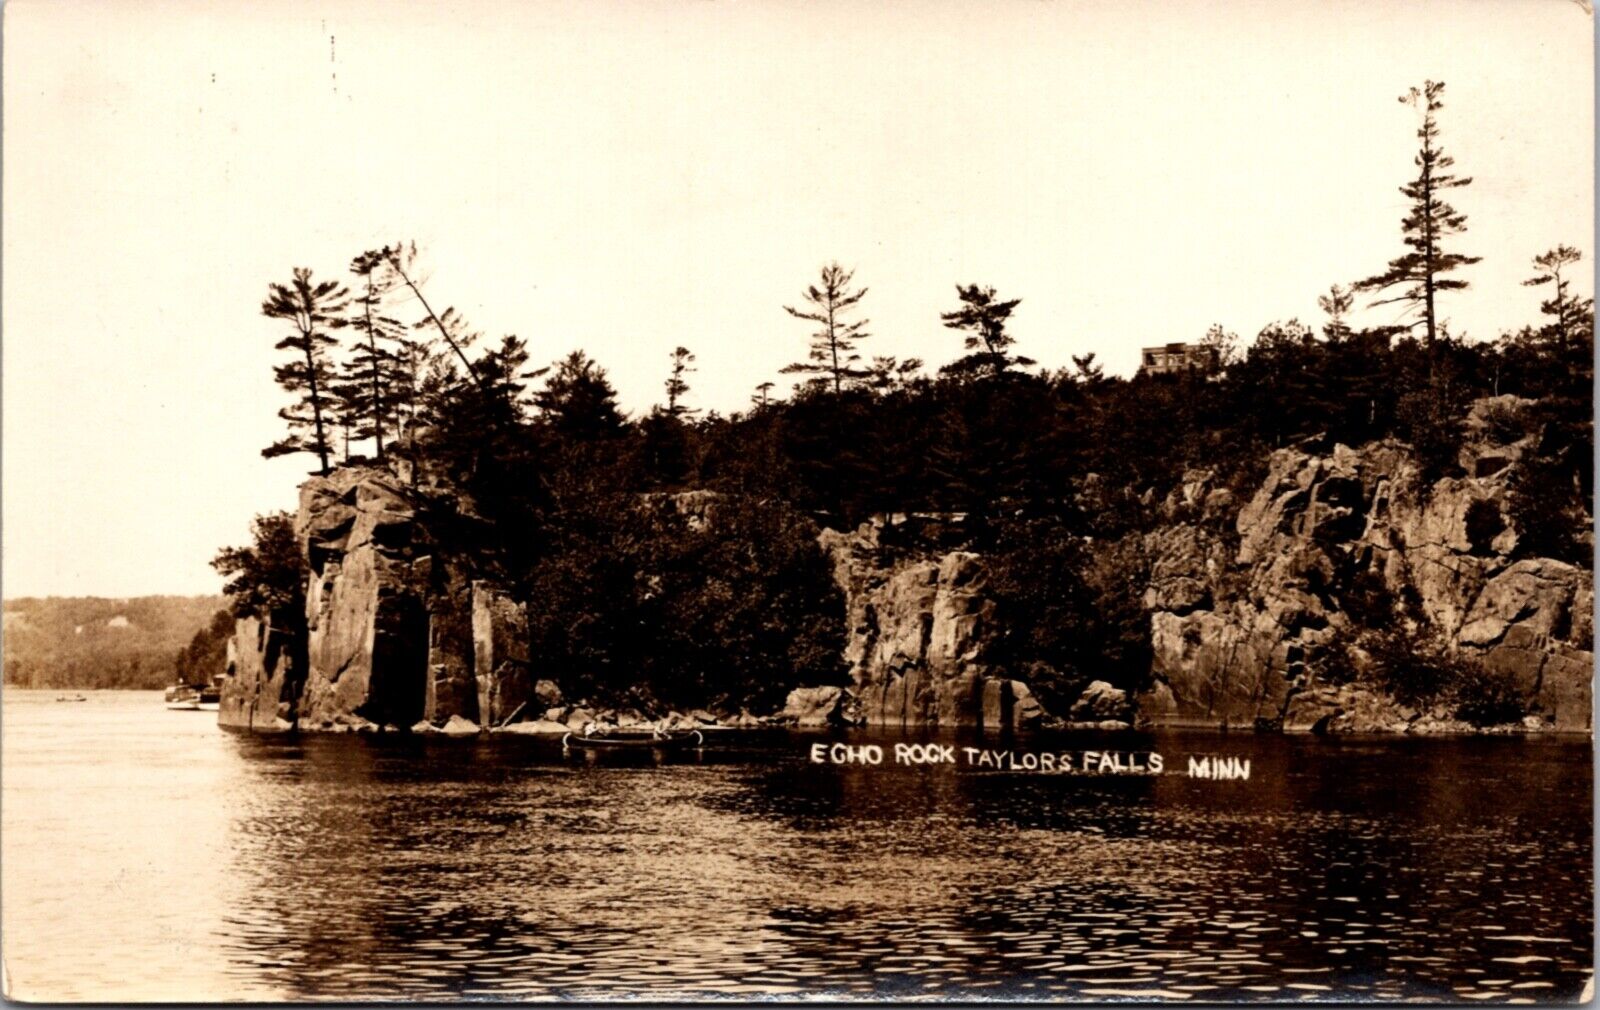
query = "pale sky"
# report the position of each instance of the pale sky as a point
(628, 177)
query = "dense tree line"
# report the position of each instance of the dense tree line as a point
(93, 642)
(1040, 461)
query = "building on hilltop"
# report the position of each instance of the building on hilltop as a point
(1176, 357)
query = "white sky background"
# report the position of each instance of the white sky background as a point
(628, 177)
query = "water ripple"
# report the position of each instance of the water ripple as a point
(211, 866)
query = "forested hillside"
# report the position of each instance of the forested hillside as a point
(97, 642)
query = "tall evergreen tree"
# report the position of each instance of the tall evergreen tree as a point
(677, 385)
(401, 260)
(1336, 304)
(982, 317)
(313, 309)
(1427, 225)
(1086, 371)
(579, 401)
(1571, 315)
(832, 357)
(372, 380)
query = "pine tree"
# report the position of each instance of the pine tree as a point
(677, 385)
(1571, 315)
(372, 379)
(401, 261)
(832, 355)
(419, 369)
(1086, 370)
(1336, 304)
(762, 395)
(888, 372)
(983, 317)
(579, 401)
(313, 309)
(344, 412)
(1427, 225)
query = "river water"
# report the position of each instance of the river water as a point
(148, 855)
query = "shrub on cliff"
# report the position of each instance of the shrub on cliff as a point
(1484, 697)
(1407, 662)
(1367, 600)
(1504, 423)
(267, 578)
(1550, 489)
(1431, 421)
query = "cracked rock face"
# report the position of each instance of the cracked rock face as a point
(366, 620)
(917, 632)
(1232, 634)
(393, 636)
(1526, 623)
(505, 685)
(451, 683)
(261, 683)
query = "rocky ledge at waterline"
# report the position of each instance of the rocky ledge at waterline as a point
(1252, 610)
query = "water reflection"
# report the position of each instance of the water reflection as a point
(429, 868)
(149, 856)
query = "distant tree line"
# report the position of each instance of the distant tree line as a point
(94, 642)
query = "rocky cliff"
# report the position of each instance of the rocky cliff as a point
(1243, 617)
(262, 679)
(918, 630)
(1255, 610)
(396, 630)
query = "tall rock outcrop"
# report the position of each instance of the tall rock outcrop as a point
(505, 685)
(366, 602)
(1237, 615)
(395, 630)
(262, 680)
(451, 683)
(918, 628)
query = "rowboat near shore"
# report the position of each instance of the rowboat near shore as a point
(632, 740)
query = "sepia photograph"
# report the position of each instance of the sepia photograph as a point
(686, 501)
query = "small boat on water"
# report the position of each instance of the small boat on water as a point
(71, 697)
(624, 739)
(195, 697)
(183, 698)
(211, 696)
